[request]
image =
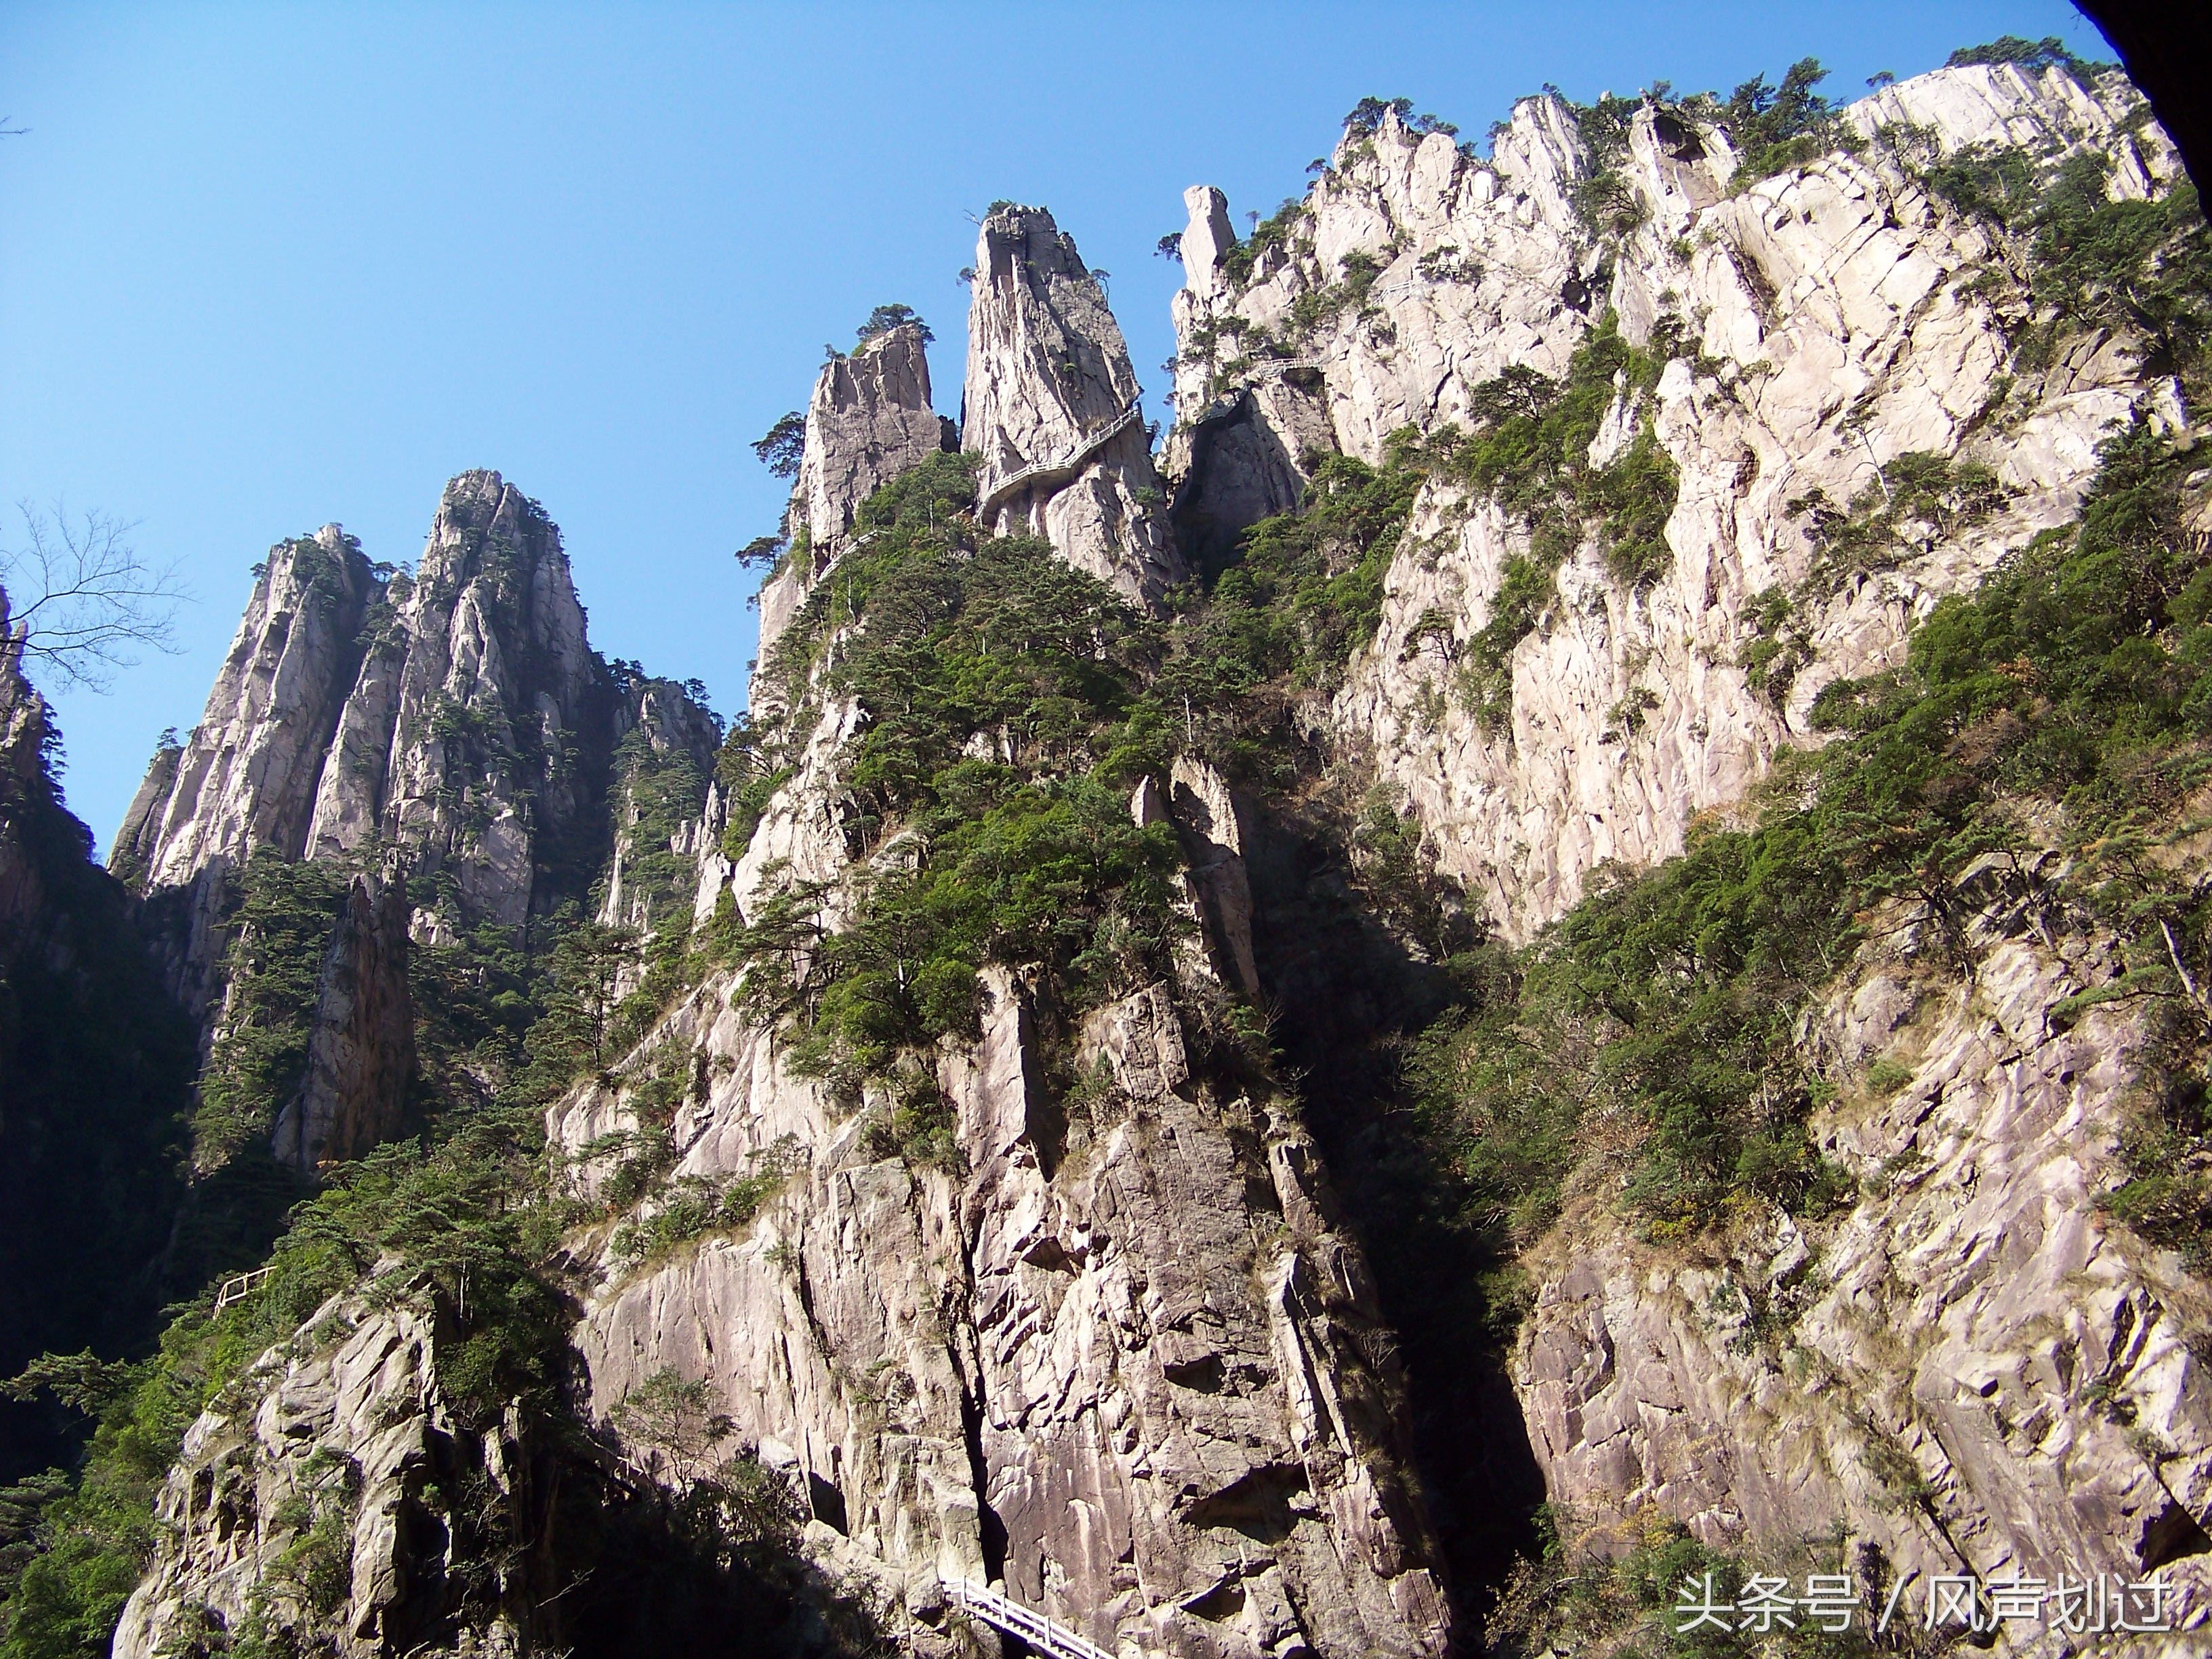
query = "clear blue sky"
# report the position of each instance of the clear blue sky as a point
(262, 267)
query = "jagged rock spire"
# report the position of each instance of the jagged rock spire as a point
(868, 420)
(457, 721)
(496, 686)
(247, 775)
(1052, 409)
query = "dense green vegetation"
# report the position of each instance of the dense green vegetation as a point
(1019, 850)
(2032, 56)
(1775, 128)
(282, 913)
(2076, 677)
(2089, 261)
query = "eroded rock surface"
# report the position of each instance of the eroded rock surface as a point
(335, 1473)
(868, 420)
(1051, 410)
(1819, 324)
(453, 726)
(361, 1047)
(248, 773)
(1118, 1357)
(1970, 1371)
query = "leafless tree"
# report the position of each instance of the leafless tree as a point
(84, 600)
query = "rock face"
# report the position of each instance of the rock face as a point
(868, 420)
(339, 1468)
(1118, 1360)
(1203, 808)
(361, 1051)
(455, 725)
(452, 729)
(496, 685)
(1114, 1348)
(1052, 409)
(249, 772)
(1967, 1373)
(662, 765)
(1821, 323)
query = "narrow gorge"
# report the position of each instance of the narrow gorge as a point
(1559, 943)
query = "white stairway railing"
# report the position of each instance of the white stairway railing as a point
(238, 1287)
(1006, 488)
(1056, 1641)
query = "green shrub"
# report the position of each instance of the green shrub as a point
(1530, 451)
(2033, 56)
(280, 932)
(1780, 127)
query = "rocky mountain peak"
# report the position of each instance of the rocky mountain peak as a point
(1795, 332)
(249, 772)
(454, 725)
(1052, 409)
(868, 420)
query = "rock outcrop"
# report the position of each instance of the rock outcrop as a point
(1052, 408)
(1119, 1357)
(361, 1047)
(453, 726)
(500, 715)
(338, 1464)
(1816, 326)
(249, 772)
(869, 419)
(1969, 1372)
(662, 767)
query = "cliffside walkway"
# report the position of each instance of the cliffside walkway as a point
(1055, 1641)
(238, 1287)
(1063, 467)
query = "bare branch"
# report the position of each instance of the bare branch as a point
(84, 599)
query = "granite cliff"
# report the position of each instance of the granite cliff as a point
(1563, 944)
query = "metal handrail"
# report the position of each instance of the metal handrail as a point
(237, 1286)
(1055, 1640)
(1012, 484)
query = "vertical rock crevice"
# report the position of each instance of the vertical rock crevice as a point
(361, 1050)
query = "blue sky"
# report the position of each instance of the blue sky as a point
(262, 267)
